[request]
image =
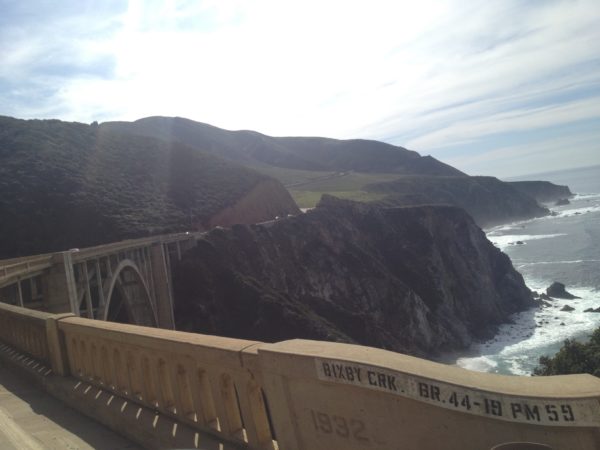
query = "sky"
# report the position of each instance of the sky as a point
(492, 87)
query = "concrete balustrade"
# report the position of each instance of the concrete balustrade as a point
(203, 381)
(34, 333)
(320, 395)
(25, 330)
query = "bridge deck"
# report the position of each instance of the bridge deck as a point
(31, 419)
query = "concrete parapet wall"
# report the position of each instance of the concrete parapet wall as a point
(326, 395)
(25, 330)
(198, 380)
(308, 395)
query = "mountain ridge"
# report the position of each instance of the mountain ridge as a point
(301, 153)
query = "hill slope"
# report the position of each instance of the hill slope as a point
(301, 153)
(70, 185)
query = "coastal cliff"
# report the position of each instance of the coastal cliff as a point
(419, 280)
(488, 200)
(542, 191)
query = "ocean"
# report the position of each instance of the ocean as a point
(564, 247)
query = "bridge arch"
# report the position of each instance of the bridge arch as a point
(133, 295)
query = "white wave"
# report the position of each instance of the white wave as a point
(518, 346)
(477, 364)
(507, 240)
(574, 211)
(584, 197)
(576, 261)
(556, 213)
(501, 228)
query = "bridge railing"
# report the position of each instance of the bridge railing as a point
(34, 333)
(203, 381)
(129, 244)
(12, 270)
(300, 395)
(355, 397)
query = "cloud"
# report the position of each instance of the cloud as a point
(517, 120)
(432, 75)
(549, 153)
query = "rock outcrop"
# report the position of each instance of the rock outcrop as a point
(418, 280)
(557, 290)
(542, 191)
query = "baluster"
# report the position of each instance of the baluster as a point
(83, 353)
(120, 374)
(105, 368)
(73, 355)
(254, 413)
(226, 405)
(135, 382)
(183, 394)
(95, 376)
(166, 388)
(202, 397)
(150, 382)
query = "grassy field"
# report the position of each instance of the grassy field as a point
(308, 199)
(307, 187)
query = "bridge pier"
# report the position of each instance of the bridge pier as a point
(161, 281)
(58, 286)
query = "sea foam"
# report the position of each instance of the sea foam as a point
(517, 346)
(506, 240)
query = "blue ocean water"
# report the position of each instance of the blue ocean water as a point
(564, 247)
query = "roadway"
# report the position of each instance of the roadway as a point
(31, 419)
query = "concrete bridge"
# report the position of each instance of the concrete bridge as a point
(128, 281)
(168, 389)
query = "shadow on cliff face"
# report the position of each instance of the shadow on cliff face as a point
(418, 280)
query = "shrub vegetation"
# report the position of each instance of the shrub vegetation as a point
(73, 185)
(573, 357)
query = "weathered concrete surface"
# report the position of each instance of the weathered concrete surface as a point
(32, 419)
(170, 389)
(68, 413)
(353, 397)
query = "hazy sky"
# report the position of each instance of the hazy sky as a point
(499, 87)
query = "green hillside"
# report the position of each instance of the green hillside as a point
(70, 184)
